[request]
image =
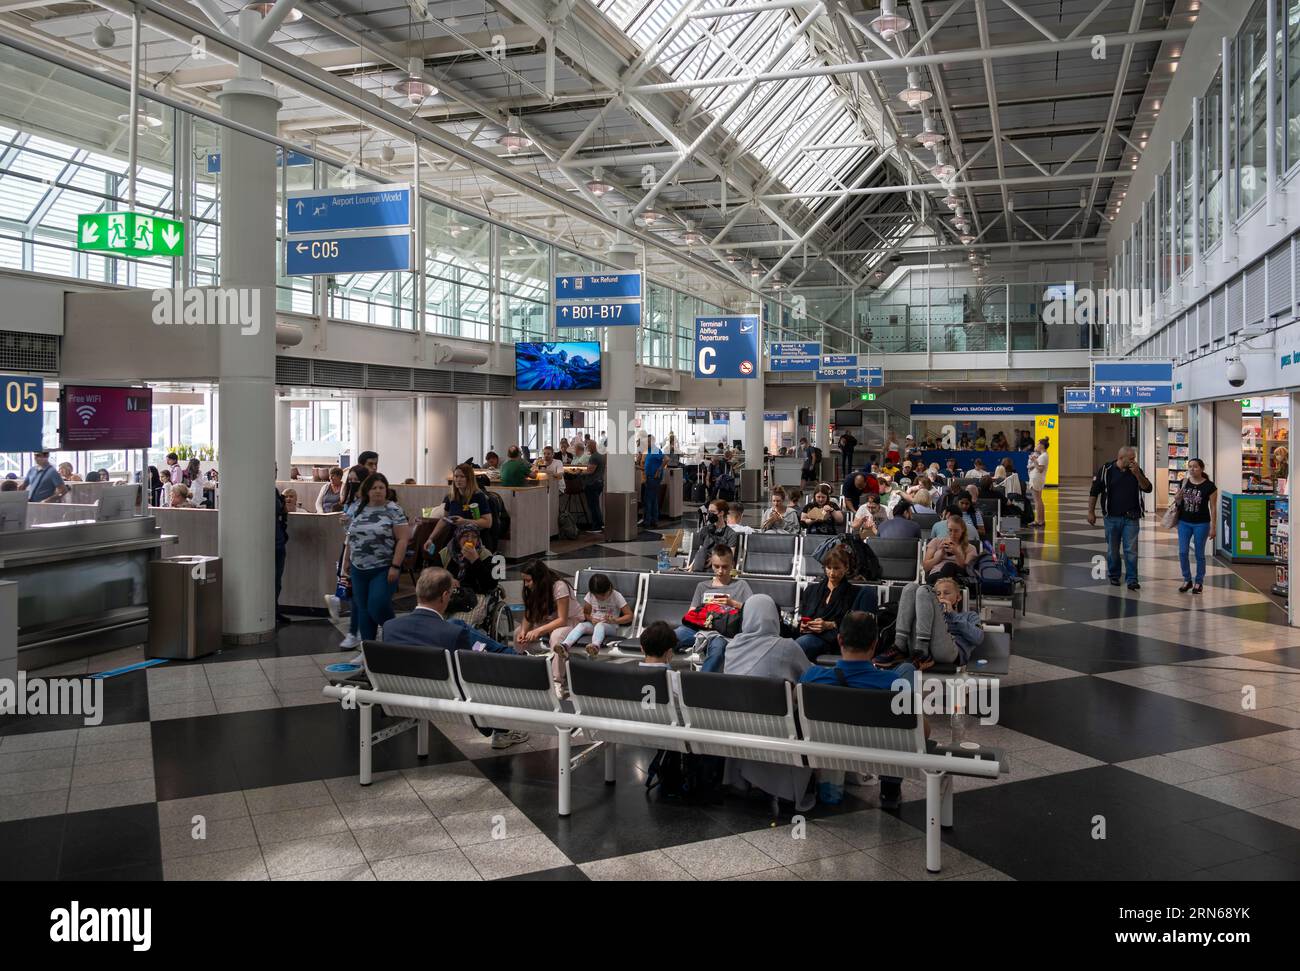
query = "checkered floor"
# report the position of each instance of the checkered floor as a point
(1168, 724)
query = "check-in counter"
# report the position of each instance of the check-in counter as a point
(82, 584)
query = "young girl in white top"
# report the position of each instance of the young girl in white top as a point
(604, 612)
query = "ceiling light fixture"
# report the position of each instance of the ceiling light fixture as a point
(598, 187)
(143, 119)
(929, 137)
(292, 17)
(889, 22)
(942, 169)
(951, 201)
(651, 216)
(914, 94)
(514, 140)
(692, 236)
(413, 87)
(967, 239)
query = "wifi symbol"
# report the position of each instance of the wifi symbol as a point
(85, 412)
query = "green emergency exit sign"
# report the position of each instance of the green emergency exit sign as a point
(130, 234)
(867, 396)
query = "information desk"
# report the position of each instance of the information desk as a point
(82, 585)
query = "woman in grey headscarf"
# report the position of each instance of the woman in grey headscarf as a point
(760, 650)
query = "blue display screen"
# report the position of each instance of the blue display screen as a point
(557, 366)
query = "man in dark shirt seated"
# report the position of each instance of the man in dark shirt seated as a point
(854, 485)
(426, 625)
(900, 525)
(859, 637)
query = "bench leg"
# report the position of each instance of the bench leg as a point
(366, 731)
(945, 815)
(933, 811)
(422, 739)
(565, 771)
(609, 763)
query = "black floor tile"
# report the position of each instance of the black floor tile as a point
(291, 640)
(1149, 828)
(1116, 722)
(1262, 867)
(1096, 650)
(1286, 656)
(277, 746)
(122, 839)
(30, 848)
(126, 699)
(1266, 613)
(1263, 834)
(1083, 606)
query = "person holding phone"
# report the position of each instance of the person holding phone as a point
(1120, 485)
(1197, 500)
(465, 503)
(950, 555)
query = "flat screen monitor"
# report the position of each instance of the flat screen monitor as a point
(557, 366)
(99, 418)
(13, 511)
(848, 418)
(117, 502)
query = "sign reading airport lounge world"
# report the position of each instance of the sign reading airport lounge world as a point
(130, 234)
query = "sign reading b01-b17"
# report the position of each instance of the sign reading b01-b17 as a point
(727, 346)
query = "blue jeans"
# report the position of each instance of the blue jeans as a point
(372, 600)
(714, 651)
(650, 502)
(1196, 533)
(814, 646)
(1121, 529)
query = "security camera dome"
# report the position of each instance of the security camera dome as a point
(1236, 372)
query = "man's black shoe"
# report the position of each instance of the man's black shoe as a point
(1135, 585)
(1114, 582)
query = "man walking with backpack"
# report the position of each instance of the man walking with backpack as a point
(1120, 485)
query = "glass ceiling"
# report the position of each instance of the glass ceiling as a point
(775, 115)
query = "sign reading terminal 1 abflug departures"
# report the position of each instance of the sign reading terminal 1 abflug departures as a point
(726, 346)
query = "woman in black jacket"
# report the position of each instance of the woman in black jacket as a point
(823, 605)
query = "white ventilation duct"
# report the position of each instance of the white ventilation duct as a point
(287, 335)
(655, 378)
(447, 354)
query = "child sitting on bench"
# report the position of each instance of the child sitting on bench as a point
(931, 627)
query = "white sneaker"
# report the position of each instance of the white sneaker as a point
(332, 605)
(502, 740)
(352, 640)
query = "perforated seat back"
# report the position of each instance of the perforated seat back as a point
(897, 557)
(668, 596)
(743, 705)
(413, 669)
(511, 680)
(925, 520)
(811, 568)
(771, 543)
(626, 582)
(628, 692)
(862, 717)
(768, 564)
(785, 593)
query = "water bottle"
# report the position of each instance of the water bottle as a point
(663, 565)
(957, 723)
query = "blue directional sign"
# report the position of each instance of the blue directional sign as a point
(1133, 382)
(840, 360)
(21, 412)
(213, 160)
(369, 207)
(776, 416)
(867, 377)
(365, 253)
(727, 346)
(793, 356)
(598, 314)
(837, 367)
(1078, 401)
(598, 286)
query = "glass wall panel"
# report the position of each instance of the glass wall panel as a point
(524, 280)
(457, 261)
(1212, 183)
(1252, 63)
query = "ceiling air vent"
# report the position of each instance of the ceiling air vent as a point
(388, 378)
(427, 380)
(292, 370)
(29, 352)
(338, 374)
(470, 382)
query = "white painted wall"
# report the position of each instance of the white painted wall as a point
(395, 437)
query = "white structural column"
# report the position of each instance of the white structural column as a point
(621, 483)
(283, 437)
(439, 456)
(755, 390)
(365, 433)
(246, 361)
(821, 417)
(505, 425)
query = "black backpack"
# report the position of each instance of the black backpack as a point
(678, 775)
(500, 519)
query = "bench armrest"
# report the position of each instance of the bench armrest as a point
(980, 752)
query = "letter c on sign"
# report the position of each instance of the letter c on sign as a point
(710, 367)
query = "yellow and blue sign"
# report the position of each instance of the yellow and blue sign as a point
(21, 413)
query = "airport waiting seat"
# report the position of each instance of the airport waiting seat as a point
(900, 559)
(626, 582)
(407, 669)
(769, 554)
(926, 521)
(784, 592)
(742, 704)
(627, 692)
(509, 680)
(860, 716)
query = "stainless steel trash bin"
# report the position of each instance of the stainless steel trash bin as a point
(184, 606)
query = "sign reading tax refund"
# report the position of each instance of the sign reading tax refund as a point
(726, 346)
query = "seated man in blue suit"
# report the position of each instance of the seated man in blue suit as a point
(427, 625)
